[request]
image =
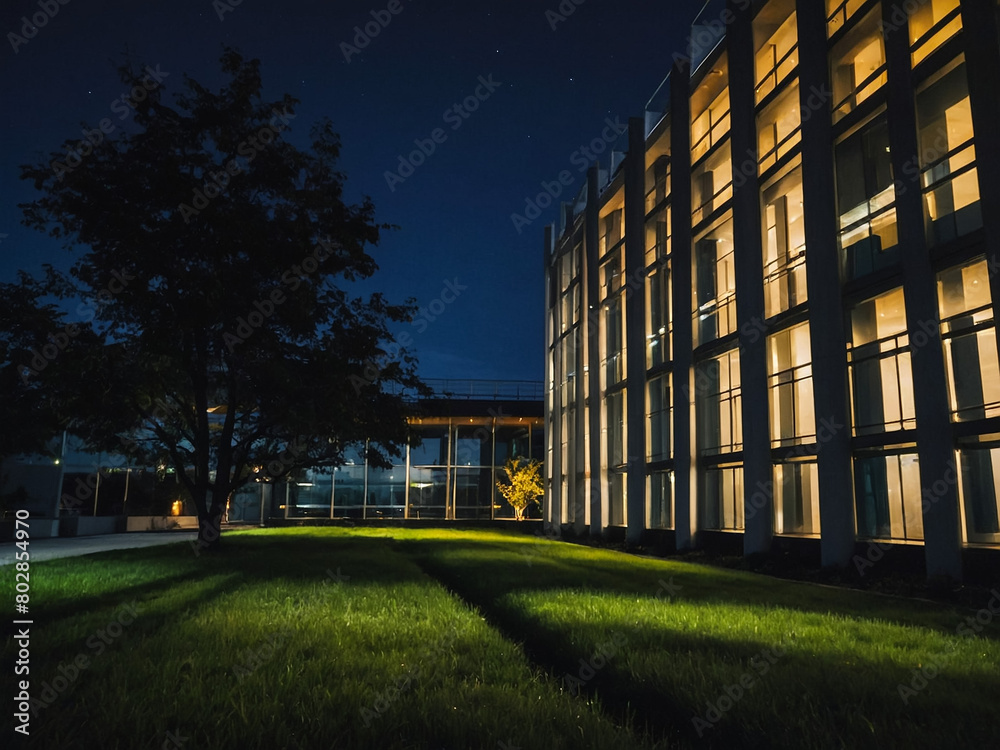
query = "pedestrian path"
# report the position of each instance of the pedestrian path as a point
(50, 549)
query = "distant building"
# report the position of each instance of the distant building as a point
(771, 321)
(469, 429)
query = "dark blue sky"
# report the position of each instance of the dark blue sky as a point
(552, 90)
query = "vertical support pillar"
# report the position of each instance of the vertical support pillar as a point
(685, 475)
(595, 402)
(757, 474)
(635, 328)
(826, 317)
(935, 442)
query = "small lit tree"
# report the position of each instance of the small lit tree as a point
(524, 484)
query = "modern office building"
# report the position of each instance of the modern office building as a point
(771, 318)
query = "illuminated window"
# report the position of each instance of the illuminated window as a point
(657, 182)
(790, 385)
(612, 230)
(569, 349)
(778, 128)
(866, 197)
(658, 321)
(612, 277)
(784, 243)
(711, 184)
(711, 125)
(719, 404)
(722, 498)
(857, 65)
(658, 236)
(980, 478)
(715, 284)
(968, 332)
(660, 492)
(658, 418)
(839, 12)
(776, 43)
(879, 357)
(888, 496)
(796, 498)
(932, 24)
(710, 117)
(617, 500)
(947, 155)
(614, 364)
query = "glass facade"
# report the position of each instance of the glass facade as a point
(889, 191)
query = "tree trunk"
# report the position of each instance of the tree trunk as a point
(209, 524)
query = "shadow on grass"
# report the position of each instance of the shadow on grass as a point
(857, 702)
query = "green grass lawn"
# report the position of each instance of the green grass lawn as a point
(440, 638)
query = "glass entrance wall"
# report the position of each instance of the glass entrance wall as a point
(452, 474)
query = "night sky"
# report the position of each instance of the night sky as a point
(549, 92)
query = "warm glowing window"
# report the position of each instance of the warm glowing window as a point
(796, 498)
(970, 346)
(932, 24)
(658, 319)
(614, 335)
(569, 349)
(784, 243)
(660, 493)
(889, 499)
(714, 284)
(612, 277)
(722, 498)
(711, 184)
(980, 480)
(866, 198)
(948, 156)
(570, 287)
(839, 12)
(857, 65)
(612, 230)
(658, 418)
(778, 128)
(880, 369)
(710, 125)
(617, 490)
(719, 404)
(777, 46)
(790, 385)
(658, 236)
(657, 183)
(615, 415)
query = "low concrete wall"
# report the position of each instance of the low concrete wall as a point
(90, 525)
(161, 523)
(38, 528)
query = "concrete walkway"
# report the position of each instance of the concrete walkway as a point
(50, 549)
